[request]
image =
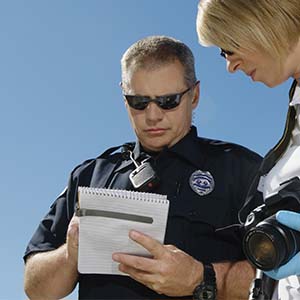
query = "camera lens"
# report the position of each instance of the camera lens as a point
(262, 248)
(269, 244)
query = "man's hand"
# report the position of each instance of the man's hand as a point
(72, 241)
(170, 271)
(53, 274)
(292, 267)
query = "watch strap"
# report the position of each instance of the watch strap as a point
(209, 275)
(207, 289)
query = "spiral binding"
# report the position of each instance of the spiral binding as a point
(124, 194)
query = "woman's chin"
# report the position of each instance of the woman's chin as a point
(272, 83)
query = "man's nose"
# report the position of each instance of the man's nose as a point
(153, 112)
(232, 64)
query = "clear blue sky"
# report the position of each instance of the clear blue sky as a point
(61, 102)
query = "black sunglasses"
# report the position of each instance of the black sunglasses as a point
(225, 53)
(164, 102)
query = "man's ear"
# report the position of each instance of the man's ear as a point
(196, 95)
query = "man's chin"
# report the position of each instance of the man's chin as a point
(154, 147)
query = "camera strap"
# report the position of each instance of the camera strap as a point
(262, 287)
(124, 149)
(108, 170)
(254, 196)
(275, 153)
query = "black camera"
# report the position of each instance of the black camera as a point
(268, 244)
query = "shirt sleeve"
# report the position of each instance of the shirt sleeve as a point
(51, 232)
(246, 168)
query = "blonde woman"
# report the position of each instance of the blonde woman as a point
(262, 39)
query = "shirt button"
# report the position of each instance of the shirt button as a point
(193, 213)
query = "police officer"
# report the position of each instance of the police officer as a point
(204, 180)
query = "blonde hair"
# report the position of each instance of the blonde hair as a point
(155, 51)
(269, 25)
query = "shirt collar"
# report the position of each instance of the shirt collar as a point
(187, 148)
(296, 96)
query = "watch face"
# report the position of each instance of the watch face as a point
(207, 289)
(205, 292)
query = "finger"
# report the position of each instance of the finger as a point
(290, 268)
(139, 275)
(150, 244)
(171, 247)
(74, 223)
(145, 278)
(72, 240)
(74, 220)
(137, 262)
(289, 218)
(73, 232)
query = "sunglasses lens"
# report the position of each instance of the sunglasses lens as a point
(225, 53)
(137, 102)
(164, 102)
(169, 102)
(222, 53)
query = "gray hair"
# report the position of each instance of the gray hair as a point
(155, 51)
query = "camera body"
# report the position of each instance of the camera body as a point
(268, 244)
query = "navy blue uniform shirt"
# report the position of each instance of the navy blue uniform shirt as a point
(192, 218)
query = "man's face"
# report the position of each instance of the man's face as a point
(156, 127)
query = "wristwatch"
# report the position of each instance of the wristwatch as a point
(207, 289)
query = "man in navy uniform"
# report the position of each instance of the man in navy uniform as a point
(204, 180)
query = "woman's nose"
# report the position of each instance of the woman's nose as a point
(232, 64)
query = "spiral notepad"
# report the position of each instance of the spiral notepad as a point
(107, 216)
